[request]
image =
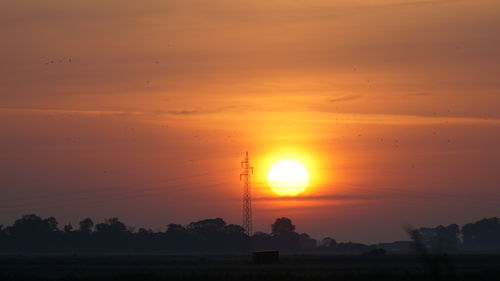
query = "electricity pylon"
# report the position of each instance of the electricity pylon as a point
(247, 195)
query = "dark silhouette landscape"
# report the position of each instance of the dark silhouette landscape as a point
(36, 248)
(34, 234)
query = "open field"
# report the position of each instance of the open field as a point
(239, 267)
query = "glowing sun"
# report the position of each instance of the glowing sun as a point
(288, 178)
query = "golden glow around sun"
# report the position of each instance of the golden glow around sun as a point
(288, 178)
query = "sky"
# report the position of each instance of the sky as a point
(143, 110)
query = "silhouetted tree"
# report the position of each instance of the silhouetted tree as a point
(3, 238)
(176, 230)
(112, 225)
(234, 229)
(144, 232)
(177, 238)
(286, 239)
(262, 241)
(482, 235)
(68, 228)
(438, 265)
(51, 224)
(352, 248)
(32, 233)
(328, 243)
(216, 235)
(208, 225)
(282, 226)
(33, 226)
(203, 231)
(235, 239)
(112, 235)
(307, 243)
(441, 238)
(146, 239)
(86, 225)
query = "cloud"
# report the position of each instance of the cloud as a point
(345, 98)
(61, 111)
(58, 111)
(183, 112)
(333, 197)
(385, 193)
(197, 111)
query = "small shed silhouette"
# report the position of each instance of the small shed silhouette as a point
(266, 257)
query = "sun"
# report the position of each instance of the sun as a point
(288, 178)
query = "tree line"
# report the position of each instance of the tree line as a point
(32, 234)
(482, 235)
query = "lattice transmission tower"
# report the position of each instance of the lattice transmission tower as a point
(247, 195)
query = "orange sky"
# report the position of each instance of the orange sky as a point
(143, 110)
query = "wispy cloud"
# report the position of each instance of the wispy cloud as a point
(401, 119)
(345, 98)
(197, 111)
(90, 112)
(332, 197)
(27, 110)
(184, 112)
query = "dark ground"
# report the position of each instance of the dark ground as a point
(240, 267)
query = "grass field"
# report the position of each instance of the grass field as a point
(240, 267)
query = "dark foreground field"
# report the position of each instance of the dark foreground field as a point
(201, 267)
